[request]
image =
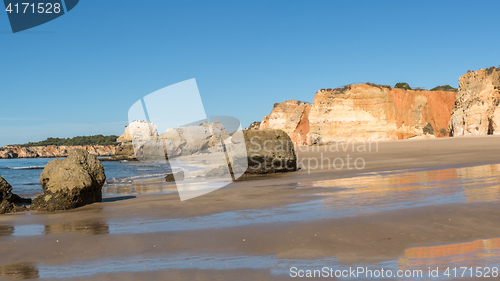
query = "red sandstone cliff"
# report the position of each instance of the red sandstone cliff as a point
(292, 117)
(363, 112)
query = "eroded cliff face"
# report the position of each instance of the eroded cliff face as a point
(51, 151)
(476, 110)
(363, 112)
(292, 117)
(371, 112)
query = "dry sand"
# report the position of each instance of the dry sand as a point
(363, 238)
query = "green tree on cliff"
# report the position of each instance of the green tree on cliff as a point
(81, 140)
(447, 88)
(402, 85)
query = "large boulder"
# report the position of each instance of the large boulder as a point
(8, 200)
(267, 151)
(70, 183)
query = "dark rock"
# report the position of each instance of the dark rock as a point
(267, 151)
(70, 183)
(171, 177)
(8, 200)
(124, 151)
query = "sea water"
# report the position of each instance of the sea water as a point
(24, 174)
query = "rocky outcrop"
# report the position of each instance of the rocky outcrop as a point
(141, 141)
(364, 112)
(51, 151)
(268, 151)
(292, 117)
(254, 126)
(476, 110)
(371, 112)
(185, 141)
(9, 200)
(125, 148)
(123, 152)
(70, 183)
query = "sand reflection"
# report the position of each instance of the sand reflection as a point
(479, 253)
(19, 271)
(87, 227)
(6, 230)
(411, 188)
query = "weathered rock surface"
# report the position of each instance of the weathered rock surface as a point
(141, 141)
(8, 200)
(476, 110)
(254, 126)
(70, 183)
(267, 151)
(290, 116)
(185, 141)
(138, 133)
(51, 151)
(123, 151)
(364, 112)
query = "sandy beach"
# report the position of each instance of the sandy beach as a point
(411, 199)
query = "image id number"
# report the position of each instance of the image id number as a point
(40, 8)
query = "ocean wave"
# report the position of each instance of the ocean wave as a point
(26, 168)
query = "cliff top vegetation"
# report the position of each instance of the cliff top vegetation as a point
(80, 140)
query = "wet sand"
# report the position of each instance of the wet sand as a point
(417, 203)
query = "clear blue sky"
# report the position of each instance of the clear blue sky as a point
(79, 74)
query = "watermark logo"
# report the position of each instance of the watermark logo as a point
(204, 153)
(24, 14)
(336, 155)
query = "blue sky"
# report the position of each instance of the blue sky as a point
(79, 74)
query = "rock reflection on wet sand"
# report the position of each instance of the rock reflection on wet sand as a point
(479, 253)
(87, 227)
(139, 187)
(6, 230)
(19, 271)
(411, 188)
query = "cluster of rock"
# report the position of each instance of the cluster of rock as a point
(141, 141)
(51, 151)
(476, 110)
(67, 184)
(363, 112)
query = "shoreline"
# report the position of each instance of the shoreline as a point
(345, 215)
